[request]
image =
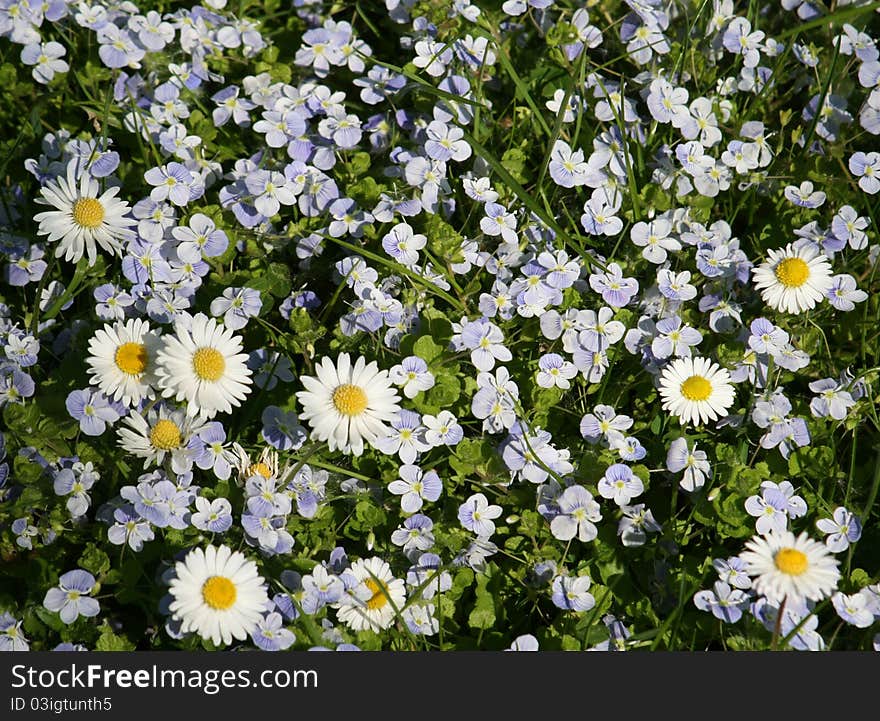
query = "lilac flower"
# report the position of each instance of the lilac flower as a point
(578, 513)
(22, 349)
(147, 502)
(476, 514)
(270, 635)
(378, 84)
(781, 430)
(237, 306)
(24, 532)
(415, 486)
(129, 527)
(673, 339)
(402, 244)
(75, 484)
(806, 9)
(604, 423)
(725, 604)
(499, 221)
(667, 103)
(555, 371)
(619, 483)
(848, 226)
(866, 167)
(599, 331)
(152, 32)
(600, 213)
(615, 290)
(46, 59)
(117, 48)
(567, 167)
(804, 195)
(320, 51)
(855, 609)
(414, 535)
(281, 429)
(320, 588)
(15, 386)
(635, 524)
(212, 516)
(571, 594)
(12, 638)
(485, 341)
(93, 410)
(419, 617)
(518, 7)
(675, 286)
(442, 429)
(280, 128)
(618, 633)
(175, 183)
(530, 456)
(733, 571)
(432, 56)
(739, 39)
(111, 302)
(656, 239)
(630, 449)
(201, 238)
(842, 529)
(445, 142)
(844, 293)
(343, 129)
(765, 337)
(832, 400)
(406, 437)
(25, 267)
(430, 176)
(70, 598)
(774, 506)
(691, 461)
(229, 105)
(271, 190)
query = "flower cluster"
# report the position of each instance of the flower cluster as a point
(448, 325)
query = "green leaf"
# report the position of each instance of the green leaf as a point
(278, 280)
(109, 641)
(94, 560)
(426, 349)
(483, 614)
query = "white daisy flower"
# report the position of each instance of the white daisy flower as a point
(121, 360)
(696, 390)
(346, 405)
(83, 217)
(785, 567)
(218, 594)
(266, 465)
(163, 432)
(375, 599)
(204, 366)
(794, 279)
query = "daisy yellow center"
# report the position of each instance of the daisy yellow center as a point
(350, 400)
(790, 561)
(131, 358)
(165, 435)
(261, 469)
(88, 213)
(219, 592)
(792, 272)
(696, 388)
(208, 364)
(380, 594)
